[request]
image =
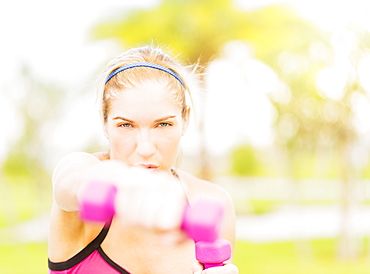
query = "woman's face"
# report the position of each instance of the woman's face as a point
(144, 127)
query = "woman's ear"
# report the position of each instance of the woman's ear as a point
(105, 129)
(186, 119)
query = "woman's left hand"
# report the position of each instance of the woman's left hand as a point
(226, 269)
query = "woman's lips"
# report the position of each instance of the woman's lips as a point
(148, 166)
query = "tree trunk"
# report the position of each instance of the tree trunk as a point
(347, 245)
(205, 171)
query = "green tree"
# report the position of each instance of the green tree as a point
(315, 121)
(25, 177)
(38, 106)
(199, 29)
(245, 162)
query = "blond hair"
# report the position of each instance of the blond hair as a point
(133, 77)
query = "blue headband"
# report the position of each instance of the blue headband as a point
(144, 64)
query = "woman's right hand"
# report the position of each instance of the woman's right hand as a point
(228, 268)
(151, 200)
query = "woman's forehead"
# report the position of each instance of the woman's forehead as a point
(153, 100)
(143, 94)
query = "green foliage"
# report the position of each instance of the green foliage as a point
(282, 258)
(265, 206)
(245, 162)
(307, 163)
(365, 174)
(248, 161)
(16, 165)
(199, 29)
(38, 106)
(24, 198)
(194, 28)
(19, 164)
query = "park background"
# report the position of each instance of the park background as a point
(283, 125)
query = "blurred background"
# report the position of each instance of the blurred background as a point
(283, 122)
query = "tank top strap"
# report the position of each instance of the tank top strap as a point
(100, 238)
(174, 173)
(84, 253)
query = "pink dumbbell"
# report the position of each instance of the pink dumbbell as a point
(200, 222)
(97, 201)
(214, 253)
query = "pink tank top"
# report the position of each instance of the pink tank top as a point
(90, 260)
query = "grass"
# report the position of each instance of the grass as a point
(22, 199)
(266, 258)
(283, 258)
(23, 259)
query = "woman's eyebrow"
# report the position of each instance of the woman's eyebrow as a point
(122, 118)
(157, 120)
(165, 118)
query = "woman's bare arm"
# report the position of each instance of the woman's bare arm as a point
(68, 177)
(152, 200)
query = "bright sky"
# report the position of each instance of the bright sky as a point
(52, 39)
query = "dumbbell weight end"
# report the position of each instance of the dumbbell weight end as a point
(214, 253)
(201, 221)
(97, 201)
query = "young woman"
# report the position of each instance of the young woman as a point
(145, 112)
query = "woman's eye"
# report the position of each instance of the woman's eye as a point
(125, 125)
(164, 124)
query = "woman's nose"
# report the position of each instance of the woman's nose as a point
(145, 145)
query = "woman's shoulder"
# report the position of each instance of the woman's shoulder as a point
(197, 188)
(201, 189)
(81, 157)
(77, 156)
(102, 156)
